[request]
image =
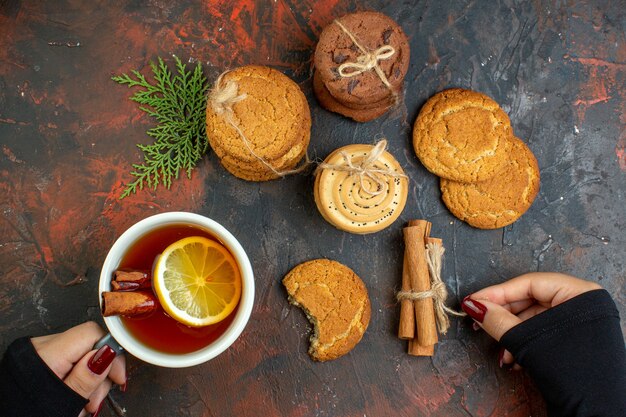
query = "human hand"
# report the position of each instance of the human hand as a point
(500, 307)
(88, 372)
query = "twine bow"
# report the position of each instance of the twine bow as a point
(222, 98)
(367, 61)
(438, 291)
(366, 168)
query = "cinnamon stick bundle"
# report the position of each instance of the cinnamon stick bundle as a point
(423, 311)
(417, 315)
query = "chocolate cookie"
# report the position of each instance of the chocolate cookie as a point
(462, 135)
(498, 201)
(335, 300)
(371, 31)
(359, 115)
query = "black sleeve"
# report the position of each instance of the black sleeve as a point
(575, 354)
(29, 388)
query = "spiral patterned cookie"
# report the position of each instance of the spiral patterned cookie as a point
(360, 194)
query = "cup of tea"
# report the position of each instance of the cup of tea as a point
(156, 337)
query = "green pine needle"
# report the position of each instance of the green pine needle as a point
(179, 107)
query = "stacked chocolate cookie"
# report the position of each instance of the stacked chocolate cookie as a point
(489, 178)
(360, 63)
(258, 123)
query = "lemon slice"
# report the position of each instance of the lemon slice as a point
(197, 281)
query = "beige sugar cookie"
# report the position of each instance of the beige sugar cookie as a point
(250, 171)
(462, 135)
(335, 300)
(365, 199)
(501, 200)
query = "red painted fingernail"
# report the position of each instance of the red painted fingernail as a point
(98, 410)
(501, 357)
(101, 360)
(123, 387)
(475, 326)
(474, 309)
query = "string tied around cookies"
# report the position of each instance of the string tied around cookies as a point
(367, 61)
(224, 95)
(222, 98)
(366, 169)
(438, 291)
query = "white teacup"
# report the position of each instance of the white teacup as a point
(171, 360)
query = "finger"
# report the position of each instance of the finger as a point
(517, 306)
(98, 396)
(548, 288)
(507, 358)
(493, 318)
(62, 350)
(80, 339)
(84, 413)
(118, 370)
(531, 311)
(88, 373)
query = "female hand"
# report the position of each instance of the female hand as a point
(90, 373)
(500, 307)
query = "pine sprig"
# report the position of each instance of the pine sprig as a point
(178, 104)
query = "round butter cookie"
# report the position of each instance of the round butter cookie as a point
(270, 112)
(364, 198)
(372, 30)
(462, 135)
(335, 300)
(501, 200)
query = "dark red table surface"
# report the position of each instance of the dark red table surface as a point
(68, 136)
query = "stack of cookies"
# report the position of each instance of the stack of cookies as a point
(258, 123)
(361, 188)
(489, 177)
(360, 63)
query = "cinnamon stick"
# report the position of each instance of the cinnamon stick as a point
(406, 328)
(127, 280)
(133, 303)
(434, 240)
(414, 237)
(416, 349)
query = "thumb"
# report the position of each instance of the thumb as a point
(493, 318)
(88, 373)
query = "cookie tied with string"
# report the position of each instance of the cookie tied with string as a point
(360, 62)
(361, 188)
(258, 123)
